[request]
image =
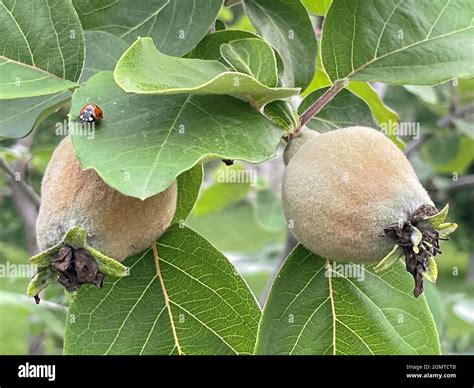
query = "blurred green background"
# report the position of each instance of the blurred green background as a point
(246, 222)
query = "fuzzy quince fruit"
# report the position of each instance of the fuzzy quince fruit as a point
(352, 195)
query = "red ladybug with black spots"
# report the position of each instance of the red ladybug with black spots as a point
(91, 113)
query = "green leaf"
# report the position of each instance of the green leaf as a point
(253, 57)
(385, 116)
(18, 117)
(176, 26)
(317, 307)
(465, 127)
(229, 187)
(189, 184)
(465, 90)
(42, 311)
(210, 46)
(235, 229)
(282, 114)
(415, 42)
(143, 69)
(344, 110)
(438, 219)
(318, 7)
(426, 94)
(19, 80)
(103, 50)
(145, 141)
(190, 301)
(432, 273)
(42, 51)
(448, 154)
(446, 229)
(269, 211)
(287, 27)
(393, 256)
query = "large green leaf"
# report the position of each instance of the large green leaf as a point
(42, 46)
(416, 42)
(146, 141)
(18, 117)
(344, 110)
(320, 307)
(287, 27)
(143, 69)
(103, 50)
(189, 301)
(176, 26)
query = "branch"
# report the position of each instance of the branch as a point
(322, 101)
(25, 187)
(22, 197)
(459, 113)
(462, 183)
(414, 145)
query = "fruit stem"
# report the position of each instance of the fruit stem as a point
(321, 102)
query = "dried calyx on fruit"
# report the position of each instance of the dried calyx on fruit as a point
(352, 195)
(85, 228)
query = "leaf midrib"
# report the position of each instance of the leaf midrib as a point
(375, 305)
(401, 49)
(32, 67)
(154, 14)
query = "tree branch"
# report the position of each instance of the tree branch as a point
(462, 183)
(414, 145)
(25, 187)
(458, 113)
(26, 204)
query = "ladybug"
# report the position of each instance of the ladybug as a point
(91, 113)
